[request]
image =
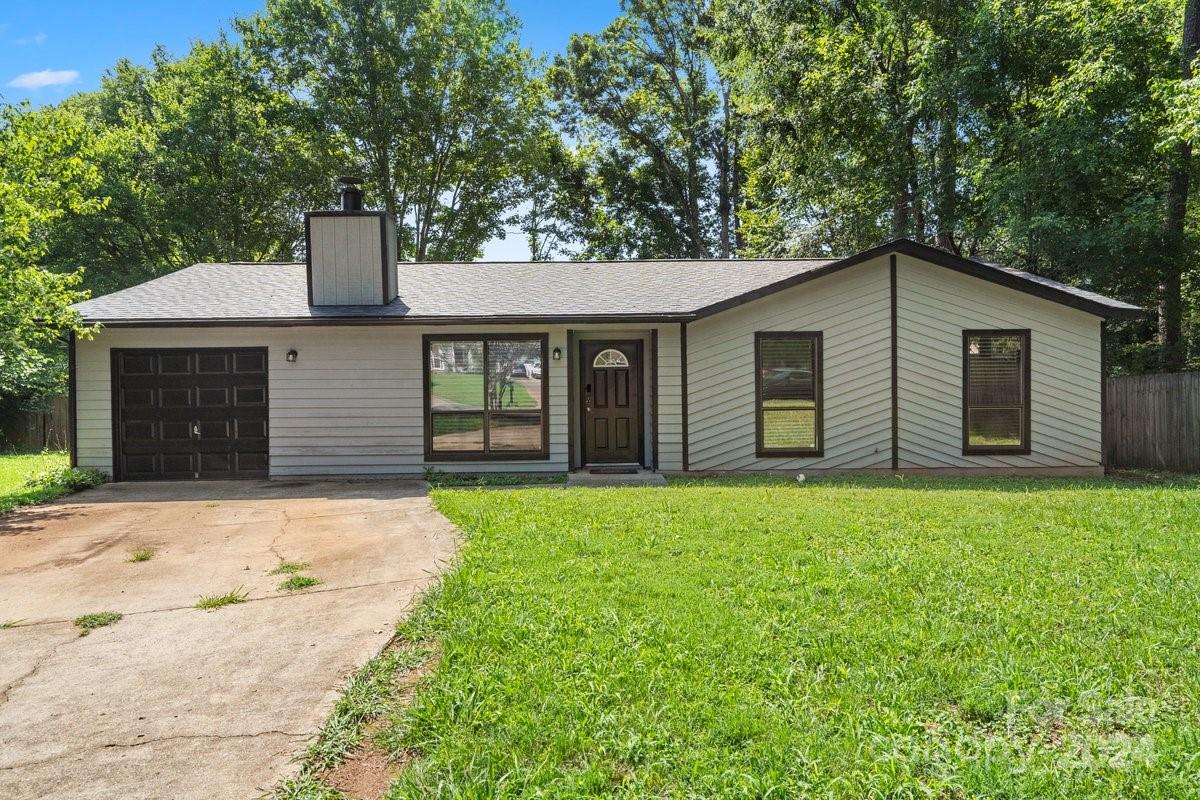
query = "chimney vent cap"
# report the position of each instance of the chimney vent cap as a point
(349, 193)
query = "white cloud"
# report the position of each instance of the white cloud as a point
(38, 38)
(44, 78)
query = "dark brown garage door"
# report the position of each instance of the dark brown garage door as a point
(189, 414)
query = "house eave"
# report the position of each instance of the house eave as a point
(941, 258)
(295, 322)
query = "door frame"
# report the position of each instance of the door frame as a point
(115, 418)
(582, 399)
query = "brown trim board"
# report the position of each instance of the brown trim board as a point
(383, 319)
(895, 365)
(1104, 367)
(72, 394)
(652, 384)
(683, 400)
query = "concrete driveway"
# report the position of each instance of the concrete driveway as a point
(171, 701)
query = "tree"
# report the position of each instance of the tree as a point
(1176, 252)
(200, 161)
(1025, 132)
(432, 101)
(651, 134)
(44, 175)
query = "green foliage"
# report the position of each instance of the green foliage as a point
(370, 694)
(89, 622)
(214, 601)
(296, 583)
(43, 179)
(200, 161)
(432, 101)
(840, 638)
(67, 478)
(38, 478)
(290, 567)
(649, 175)
(1028, 133)
(141, 554)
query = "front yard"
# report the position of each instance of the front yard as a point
(17, 468)
(853, 638)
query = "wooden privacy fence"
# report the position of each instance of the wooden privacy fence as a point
(1153, 421)
(33, 430)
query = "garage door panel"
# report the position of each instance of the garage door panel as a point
(187, 414)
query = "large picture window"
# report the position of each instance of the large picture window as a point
(787, 368)
(485, 397)
(995, 392)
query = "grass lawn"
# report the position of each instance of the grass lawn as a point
(466, 389)
(852, 638)
(16, 468)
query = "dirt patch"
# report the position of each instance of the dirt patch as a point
(368, 771)
(365, 774)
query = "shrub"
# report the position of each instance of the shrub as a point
(66, 479)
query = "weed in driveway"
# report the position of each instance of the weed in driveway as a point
(290, 567)
(212, 601)
(298, 582)
(10, 623)
(141, 554)
(89, 622)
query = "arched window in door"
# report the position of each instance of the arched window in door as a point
(610, 358)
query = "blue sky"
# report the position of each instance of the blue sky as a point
(50, 50)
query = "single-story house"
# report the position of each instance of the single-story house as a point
(901, 357)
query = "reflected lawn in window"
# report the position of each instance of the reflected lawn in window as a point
(465, 390)
(786, 427)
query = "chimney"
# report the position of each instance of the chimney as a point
(351, 253)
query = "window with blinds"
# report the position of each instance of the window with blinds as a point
(788, 393)
(995, 392)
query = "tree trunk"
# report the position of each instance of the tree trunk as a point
(723, 167)
(904, 203)
(946, 199)
(1170, 307)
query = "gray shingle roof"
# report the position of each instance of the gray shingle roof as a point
(277, 293)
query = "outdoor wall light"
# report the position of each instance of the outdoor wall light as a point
(556, 354)
(291, 356)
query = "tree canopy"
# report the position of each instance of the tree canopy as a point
(1054, 136)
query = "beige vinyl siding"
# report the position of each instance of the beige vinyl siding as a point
(852, 309)
(352, 404)
(346, 260)
(934, 306)
(670, 399)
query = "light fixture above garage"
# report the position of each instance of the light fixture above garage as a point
(291, 356)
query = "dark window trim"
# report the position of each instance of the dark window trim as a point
(1022, 449)
(432, 455)
(819, 392)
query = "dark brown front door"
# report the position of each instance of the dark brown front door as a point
(188, 414)
(612, 402)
